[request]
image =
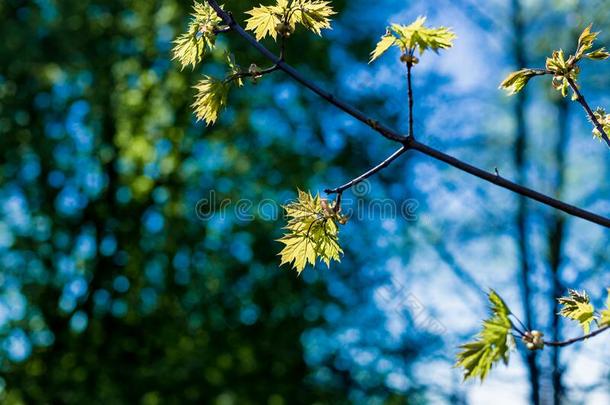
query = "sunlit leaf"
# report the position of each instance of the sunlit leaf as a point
(264, 20)
(577, 306)
(191, 47)
(210, 98)
(270, 20)
(516, 81)
(600, 54)
(585, 41)
(312, 232)
(313, 14)
(491, 345)
(412, 37)
(383, 45)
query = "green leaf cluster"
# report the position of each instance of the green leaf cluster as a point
(312, 232)
(604, 119)
(415, 36)
(492, 344)
(563, 70)
(282, 18)
(191, 47)
(585, 43)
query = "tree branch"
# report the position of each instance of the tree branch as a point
(290, 71)
(509, 185)
(581, 99)
(407, 142)
(578, 339)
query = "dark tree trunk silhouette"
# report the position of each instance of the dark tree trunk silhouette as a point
(555, 246)
(520, 148)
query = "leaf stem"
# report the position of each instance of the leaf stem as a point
(521, 324)
(581, 99)
(222, 30)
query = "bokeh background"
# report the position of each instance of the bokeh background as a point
(132, 271)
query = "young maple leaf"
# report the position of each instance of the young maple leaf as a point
(211, 97)
(314, 15)
(282, 17)
(577, 306)
(190, 48)
(414, 36)
(491, 345)
(312, 232)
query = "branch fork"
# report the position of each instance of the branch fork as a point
(408, 142)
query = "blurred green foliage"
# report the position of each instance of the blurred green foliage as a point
(126, 295)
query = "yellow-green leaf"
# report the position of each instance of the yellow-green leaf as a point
(491, 345)
(417, 36)
(313, 14)
(600, 54)
(383, 45)
(268, 20)
(264, 20)
(312, 232)
(516, 81)
(190, 47)
(585, 41)
(577, 306)
(412, 37)
(210, 98)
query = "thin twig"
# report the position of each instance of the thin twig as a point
(578, 339)
(369, 173)
(581, 99)
(283, 48)
(409, 67)
(519, 331)
(410, 143)
(241, 75)
(221, 30)
(520, 323)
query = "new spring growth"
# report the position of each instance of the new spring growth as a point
(533, 340)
